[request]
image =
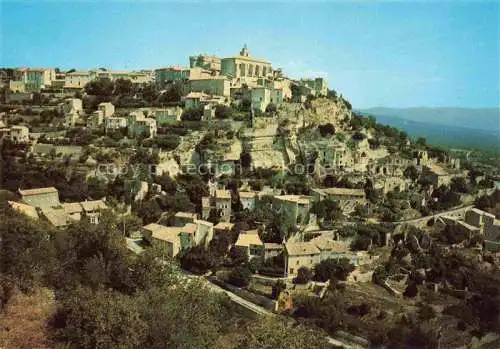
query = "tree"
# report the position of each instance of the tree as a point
(327, 209)
(278, 287)
(304, 275)
(192, 114)
(101, 87)
(197, 260)
(239, 276)
(271, 108)
(245, 105)
(25, 252)
(188, 315)
(333, 269)
(100, 319)
(122, 87)
(246, 159)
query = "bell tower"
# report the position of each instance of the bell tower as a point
(244, 51)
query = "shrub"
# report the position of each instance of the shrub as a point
(304, 275)
(239, 276)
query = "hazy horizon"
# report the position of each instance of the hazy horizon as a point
(382, 54)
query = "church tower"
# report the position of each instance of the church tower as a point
(244, 51)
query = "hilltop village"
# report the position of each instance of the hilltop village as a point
(268, 188)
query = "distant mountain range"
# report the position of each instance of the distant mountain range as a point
(450, 127)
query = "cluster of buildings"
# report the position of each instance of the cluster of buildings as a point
(37, 79)
(186, 232)
(43, 203)
(208, 80)
(475, 222)
(235, 79)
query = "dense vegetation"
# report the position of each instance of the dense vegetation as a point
(107, 297)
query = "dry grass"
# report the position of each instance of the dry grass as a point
(23, 323)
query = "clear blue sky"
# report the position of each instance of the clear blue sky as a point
(395, 54)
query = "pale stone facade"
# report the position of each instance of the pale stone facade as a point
(217, 85)
(245, 67)
(107, 108)
(35, 79)
(19, 134)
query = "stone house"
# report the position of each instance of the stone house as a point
(167, 116)
(295, 207)
(139, 125)
(199, 99)
(331, 249)
(318, 85)
(223, 228)
(183, 218)
(492, 237)
(34, 79)
(480, 219)
(70, 104)
(96, 119)
(347, 198)
(247, 200)
(77, 79)
(250, 242)
(213, 85)
(114, 123)
(300, 254)
(92, 209)
(107, 108)
(167, 238)
(438, 175)
(204, 232)
(19, 134)
(223, 203)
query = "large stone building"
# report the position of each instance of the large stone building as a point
(32, 79)
(244, 66)
(77, 79)
(165, 76)
(213, 85)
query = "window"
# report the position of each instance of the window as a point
(297, 263)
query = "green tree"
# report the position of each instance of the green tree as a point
(186, 316)
(100, 87)
(122, 87)
(197, 260)
(333, 269)
(99, 320)
(304, 275)
(239, 276)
